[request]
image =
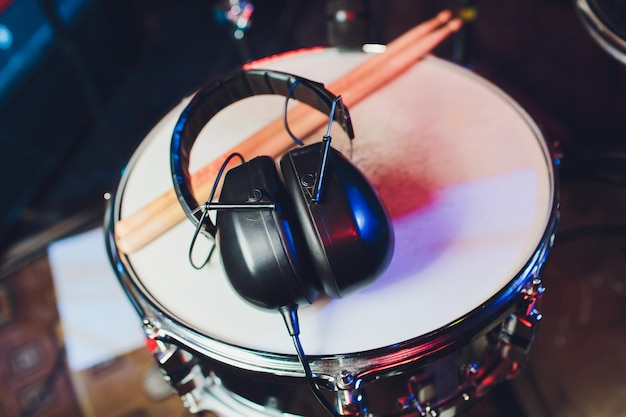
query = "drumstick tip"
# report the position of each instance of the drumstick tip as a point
(455, 24)
(444, 15)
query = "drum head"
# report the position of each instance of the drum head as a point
(463, 171)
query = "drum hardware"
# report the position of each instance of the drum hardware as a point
(228, 403)
(417, 398)
(596, 17)
(501, 361)
(520, 328)
(180, 369)
(350, 400)
(446, 407)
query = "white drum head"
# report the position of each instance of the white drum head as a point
(462, 169)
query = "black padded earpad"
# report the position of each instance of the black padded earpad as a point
(263, 250)
(349, 234)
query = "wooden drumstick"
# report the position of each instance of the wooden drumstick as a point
(158, 216)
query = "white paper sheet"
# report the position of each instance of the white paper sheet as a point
(98, 320)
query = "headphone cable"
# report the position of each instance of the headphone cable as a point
(205, 215)
(290, 315)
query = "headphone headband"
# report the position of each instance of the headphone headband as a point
(208, 101)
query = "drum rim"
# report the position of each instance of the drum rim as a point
(369, 363)
(600, 31)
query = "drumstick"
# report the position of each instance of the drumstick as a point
(158, 216)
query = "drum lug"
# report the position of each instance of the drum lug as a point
(195, 382)
(509, 345)
(519, 329)
(410, 403)
(350, 399)
(179, 368)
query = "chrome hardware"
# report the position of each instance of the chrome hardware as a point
(470, 369)
(520, 328)
(412, 401)
(608, 40)
(151, 327)
(344, 380)
(194, 382)
(349, 398)
(179, 368)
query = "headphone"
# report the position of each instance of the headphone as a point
(279, 244)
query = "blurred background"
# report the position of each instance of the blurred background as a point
(83, 81)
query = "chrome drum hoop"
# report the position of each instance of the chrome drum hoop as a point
(601, 33)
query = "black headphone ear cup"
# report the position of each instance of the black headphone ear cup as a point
(348, 232)
(263, 250)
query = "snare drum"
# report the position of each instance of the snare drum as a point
(469, 184)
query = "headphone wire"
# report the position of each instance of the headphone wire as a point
(287, 97)
(290, 315)
(205, 214)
